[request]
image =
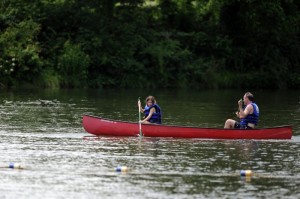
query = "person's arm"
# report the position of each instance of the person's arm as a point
(152, 110)
(240, 108)
(247, 111)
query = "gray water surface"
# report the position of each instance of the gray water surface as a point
(42, 131)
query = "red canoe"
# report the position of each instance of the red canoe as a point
(99, 126)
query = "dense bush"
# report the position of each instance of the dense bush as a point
(19, 61)
(144, 43)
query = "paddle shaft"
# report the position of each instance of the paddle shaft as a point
(140, 124)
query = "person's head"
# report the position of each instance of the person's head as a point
(150, 100)
(248, 98)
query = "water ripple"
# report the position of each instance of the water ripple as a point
(43, 132)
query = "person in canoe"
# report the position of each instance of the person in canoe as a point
(248, 114)
(152, 111)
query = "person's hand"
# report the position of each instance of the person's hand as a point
(240, 102)
(237, 114)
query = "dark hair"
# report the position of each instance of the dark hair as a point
(250, 96)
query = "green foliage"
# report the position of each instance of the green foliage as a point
(20, 60)
(72, 66)
(142, 43)
(160, 54)
(264, 35)
(49, 79)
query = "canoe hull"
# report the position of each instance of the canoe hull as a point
(100, 127)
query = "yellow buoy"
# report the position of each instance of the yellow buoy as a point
(247, 173)
(122, 169)
(12, 166)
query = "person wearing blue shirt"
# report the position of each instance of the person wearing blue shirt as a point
(152, 111)
(248, 114)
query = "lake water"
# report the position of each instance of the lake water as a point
(41, 130)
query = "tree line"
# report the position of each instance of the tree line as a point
(150, 43)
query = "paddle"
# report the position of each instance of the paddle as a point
(140, 124)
